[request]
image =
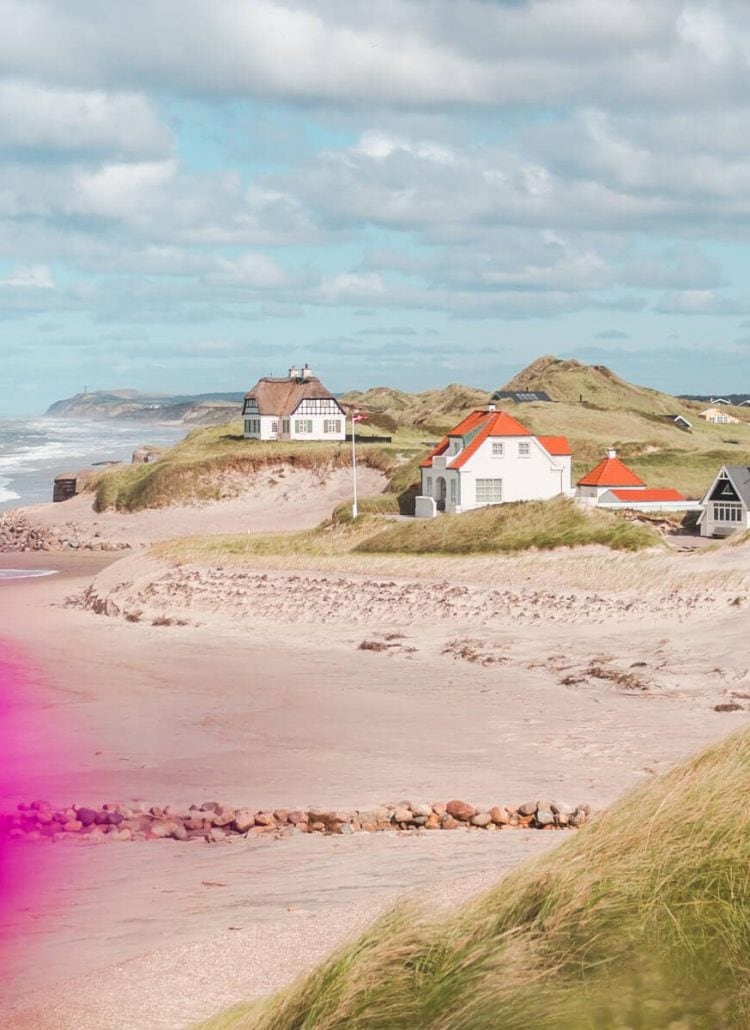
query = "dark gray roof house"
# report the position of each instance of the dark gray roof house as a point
(726, 505)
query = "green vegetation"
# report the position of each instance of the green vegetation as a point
(508, 528)
(640, 920)
(503, 529)
(210, 463)
(593, 407)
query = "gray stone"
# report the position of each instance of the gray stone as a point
(544, 817)
(561, 808)
(481, 819)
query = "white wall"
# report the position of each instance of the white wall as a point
(271, 427)
(536, 477)
(711, 527)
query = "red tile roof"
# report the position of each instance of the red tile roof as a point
(497, 424)
(491, 423)
(465, 426)
(555, 444)
(647, 495)
(611, 472)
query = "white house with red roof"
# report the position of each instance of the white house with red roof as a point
(491, 458)
(611, 484)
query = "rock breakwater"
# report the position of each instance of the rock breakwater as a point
(18, 533)
(214, 822)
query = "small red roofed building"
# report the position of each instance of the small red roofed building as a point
(611, 484)
(491, 458)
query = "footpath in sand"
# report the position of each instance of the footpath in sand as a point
(569, 675)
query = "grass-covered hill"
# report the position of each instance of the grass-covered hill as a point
(433, 411)
(501, 529)
(592, 406)
(597, 409)
(640, 920)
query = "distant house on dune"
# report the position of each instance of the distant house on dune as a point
(726, 505)
(491, 458)
(293, 407)
(611, 484)
(719, 417)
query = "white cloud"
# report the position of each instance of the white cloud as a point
(29, 277)
(37, 117)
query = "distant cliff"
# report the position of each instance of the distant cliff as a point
(200, 409)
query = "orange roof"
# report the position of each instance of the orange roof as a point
(611, 472)
(487, 424)
(555, 444)
(465, 426)
(647, 495)
(497, 424)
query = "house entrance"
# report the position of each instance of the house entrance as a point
(441, 491)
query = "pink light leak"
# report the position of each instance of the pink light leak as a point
(30, 870)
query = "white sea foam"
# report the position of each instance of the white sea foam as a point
(34, 450)
(6, 574)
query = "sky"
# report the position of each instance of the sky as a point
(406, 193)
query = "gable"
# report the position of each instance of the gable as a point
(724, 491)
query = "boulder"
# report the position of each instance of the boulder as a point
(460, 810)
(481, 819)
(447, 822)
(528, 809)
(402, 815)
(87, 816)
(499, 816)
(544, 817)
(243, 820)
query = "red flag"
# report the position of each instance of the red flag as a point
(359, 418)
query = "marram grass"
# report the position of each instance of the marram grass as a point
(640, 920)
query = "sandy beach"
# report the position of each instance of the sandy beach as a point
(569, 675)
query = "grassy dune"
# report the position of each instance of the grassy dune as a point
(505, 529)
(641, 920)
(211, 462)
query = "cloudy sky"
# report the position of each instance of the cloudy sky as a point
(410, 192)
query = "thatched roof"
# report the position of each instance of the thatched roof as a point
(282, 397)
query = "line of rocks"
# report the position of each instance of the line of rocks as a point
(18, 534)
(215, 822)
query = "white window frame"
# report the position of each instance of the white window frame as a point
(252, 425)
(524, 449)
(498, 449)
(454, 490)
(331, 425)
(727, 511)
(488, 491)
(428, 485)
(303, 425)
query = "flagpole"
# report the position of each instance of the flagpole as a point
(355, 511)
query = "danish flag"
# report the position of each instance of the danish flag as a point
(359, 417)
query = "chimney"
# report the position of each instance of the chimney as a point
(294, 372)
(306, 372)
(491, 407)
(611, 453)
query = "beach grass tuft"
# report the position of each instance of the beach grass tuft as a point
(642, 919)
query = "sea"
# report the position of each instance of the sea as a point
(34, 450)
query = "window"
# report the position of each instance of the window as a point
(251, 406)
(489, 491)
(428, 485)
(454, 491)
(332, 425)
(285, 425)
(303, 425)
(455, 446)
(728, 511)
(498, 449)
(524, 450)
(274, 427)
(252, 425)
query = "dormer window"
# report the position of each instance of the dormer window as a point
(455, 445)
